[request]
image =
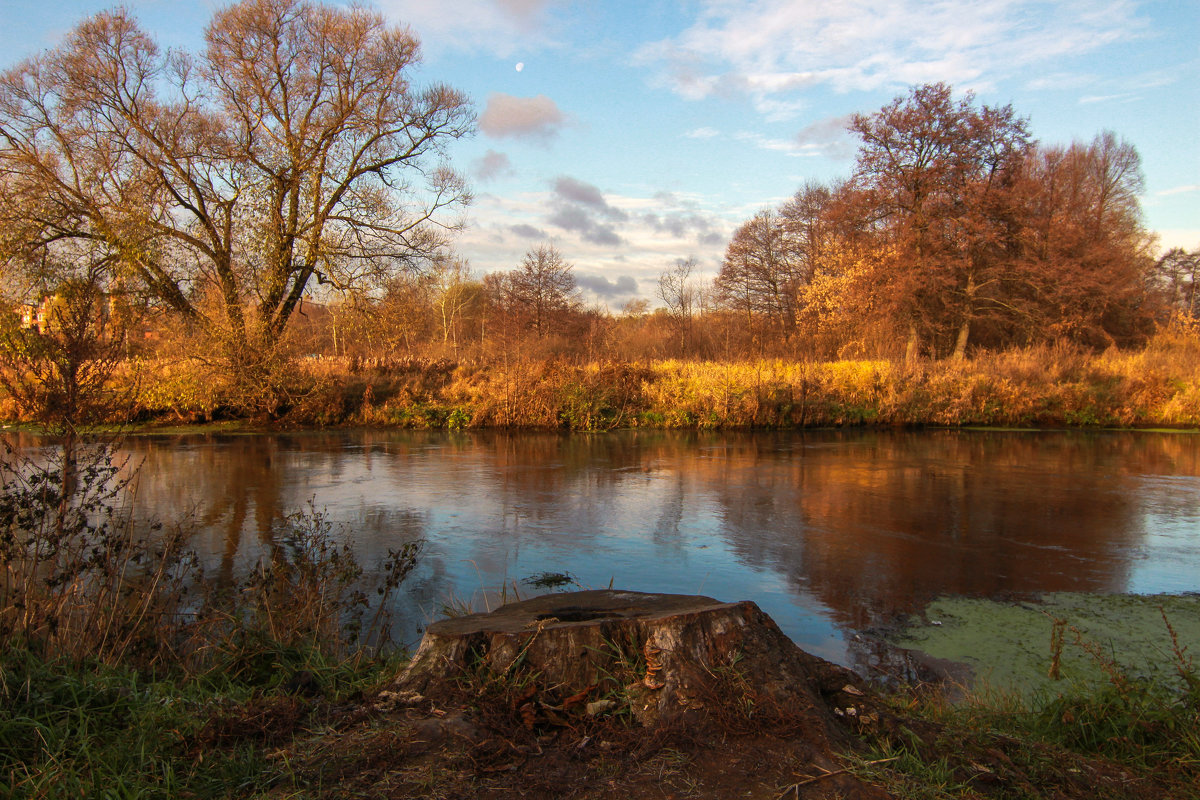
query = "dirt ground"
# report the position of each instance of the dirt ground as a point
(823, 733)
(486, 749)
(417, 756)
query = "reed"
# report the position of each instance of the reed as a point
(1040, 385)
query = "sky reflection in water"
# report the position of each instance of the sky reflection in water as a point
(829, 531)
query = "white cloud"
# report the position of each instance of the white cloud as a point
(502, 27)
(1187, 238)
(788, 146)
(829, 137)
(537, 118)
(703, 133)
(772, 50)
(1061, 81)
(1186, 189)
(1106, 98)
(628, 239)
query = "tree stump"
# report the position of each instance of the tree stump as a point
(664, 657)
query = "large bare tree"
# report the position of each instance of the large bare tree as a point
(293, 150)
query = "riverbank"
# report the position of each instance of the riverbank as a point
(302, 725)
(1157, 387)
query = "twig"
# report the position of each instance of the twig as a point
(795, 787)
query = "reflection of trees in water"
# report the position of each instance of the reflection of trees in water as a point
(540, 484)
(879, 522)
(379, 530)
(229, 487)
(866, 522)
(223, 486)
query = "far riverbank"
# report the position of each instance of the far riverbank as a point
(1157, 387)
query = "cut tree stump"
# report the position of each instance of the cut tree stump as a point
(665, 657)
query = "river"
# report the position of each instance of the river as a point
(830, 532)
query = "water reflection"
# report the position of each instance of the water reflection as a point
(829, 531)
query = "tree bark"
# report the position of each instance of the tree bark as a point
(964, 330)
(912, 351)
(960, 343)
(666, 657)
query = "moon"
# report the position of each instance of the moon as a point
(520, 66)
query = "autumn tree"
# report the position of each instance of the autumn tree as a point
(59, 372)
(759, 276)
(936, 171)
(294, 149)
(1083, 242)
(809, 224)
(843, 309)
(1177, 272)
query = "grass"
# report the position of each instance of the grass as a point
(92, 730)
(1157, 386)
(123, 674)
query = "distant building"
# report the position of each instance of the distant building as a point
(36, 316)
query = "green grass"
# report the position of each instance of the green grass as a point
(90, 730)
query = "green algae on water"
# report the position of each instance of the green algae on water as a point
(1009, 644)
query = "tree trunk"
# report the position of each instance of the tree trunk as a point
(912, 350)
(960, 344)
(964, 330)
(667, 658)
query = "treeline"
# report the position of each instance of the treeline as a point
(956, 233)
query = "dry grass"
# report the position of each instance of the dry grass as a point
(1043, 385)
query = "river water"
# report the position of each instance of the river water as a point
(830, 532)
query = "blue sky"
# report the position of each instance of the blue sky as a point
(632, 134)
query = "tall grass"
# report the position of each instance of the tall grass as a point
(123, 673)
(1044, 385)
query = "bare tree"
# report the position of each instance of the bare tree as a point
(1178, 272)
(543, 289)
(812, 222)
(758, 275)
(678, 290)
(293, 150)
(455, 294)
